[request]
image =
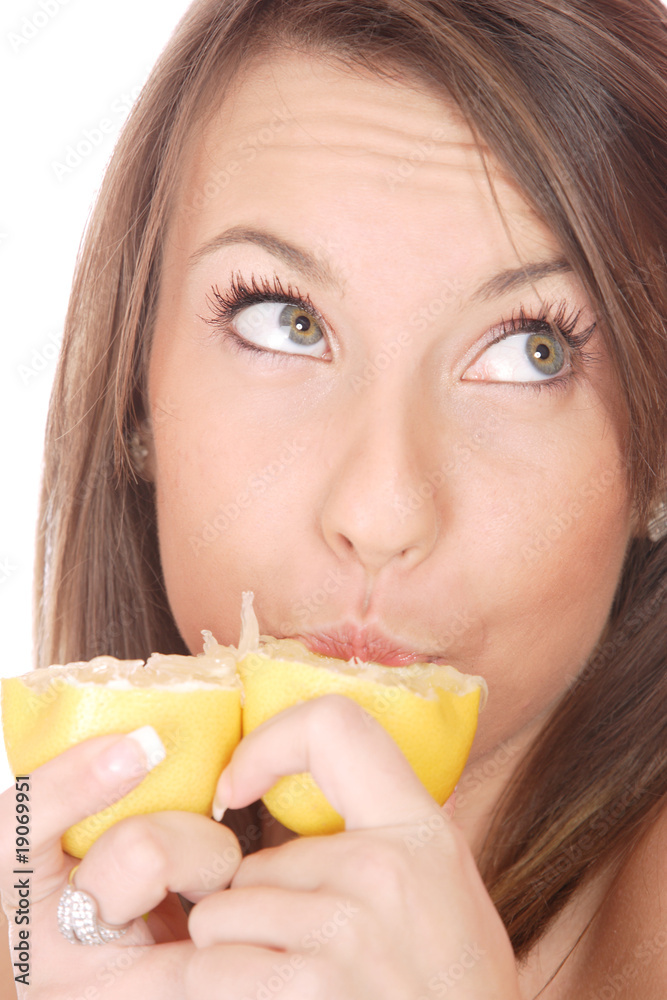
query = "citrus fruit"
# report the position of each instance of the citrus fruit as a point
(200, 706)
(429, 710)
(193, 702)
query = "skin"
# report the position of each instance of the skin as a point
(459, 573)
(462, 575)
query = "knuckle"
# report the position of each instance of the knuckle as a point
(218, 868)
(318, 979)
(330, 711)
(140, 848)
(380, 868)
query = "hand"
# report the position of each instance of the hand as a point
(392, 908)
(135, 866)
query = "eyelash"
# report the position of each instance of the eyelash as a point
(551, 318)
(224, 308)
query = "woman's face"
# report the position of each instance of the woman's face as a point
(371, 459)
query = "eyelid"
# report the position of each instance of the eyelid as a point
(532, 327)
(240, 296)
(554, 318)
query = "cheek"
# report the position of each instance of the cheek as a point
(225, 477)
(546, 558)
(201, 523)
(562, 576)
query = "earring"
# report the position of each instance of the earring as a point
(138, 452)
(657, 525)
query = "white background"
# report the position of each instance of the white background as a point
(83, 62)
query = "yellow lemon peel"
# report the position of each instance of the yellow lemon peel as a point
(201, 705)
(429, 710)
(194, 704)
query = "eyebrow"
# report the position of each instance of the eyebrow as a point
(295, 257)
(509, 280)
(317, 269)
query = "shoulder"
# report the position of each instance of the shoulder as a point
(627, 946)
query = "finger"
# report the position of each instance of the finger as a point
(81, 781)
(357, 765)
(257, 916)
(137, 862)
(247, 971)
(351, 863)
(449, 807)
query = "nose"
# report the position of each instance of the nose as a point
(380, 509)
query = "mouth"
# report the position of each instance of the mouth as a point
(368, 644)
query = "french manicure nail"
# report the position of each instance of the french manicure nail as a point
(131, 757)
(151, 744)
(222, 796)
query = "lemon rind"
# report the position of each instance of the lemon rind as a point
(420, 678)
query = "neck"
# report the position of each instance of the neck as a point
(483, 782)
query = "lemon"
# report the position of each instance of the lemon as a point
(201, 705)
(194, 704)
(429, 710)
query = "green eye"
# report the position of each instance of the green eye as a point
(545, 353)
(302, 326)
(281, 326)
(520, 357)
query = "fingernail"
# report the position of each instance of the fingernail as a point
(150, 742)
(223, 794)
(133, 756)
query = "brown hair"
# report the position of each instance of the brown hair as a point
(571, 97)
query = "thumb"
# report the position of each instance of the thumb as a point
(77, 783)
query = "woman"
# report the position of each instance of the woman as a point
(373, 307)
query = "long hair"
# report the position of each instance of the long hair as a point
(570, 96)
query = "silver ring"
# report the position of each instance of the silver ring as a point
(78, 918)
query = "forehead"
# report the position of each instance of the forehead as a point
(299, 136)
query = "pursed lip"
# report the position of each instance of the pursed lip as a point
(369, 644)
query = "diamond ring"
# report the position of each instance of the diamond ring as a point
(78, 918)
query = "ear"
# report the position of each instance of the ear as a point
(149, 449)
(141, 450)
(657, 525)
(652, 526)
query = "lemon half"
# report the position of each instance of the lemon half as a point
(194, 704)
(429, 710)
(201, 706)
